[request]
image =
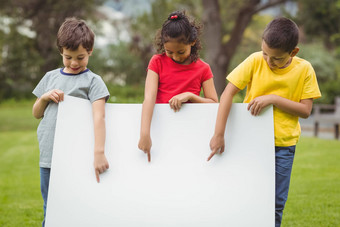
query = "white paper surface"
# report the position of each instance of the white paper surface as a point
(179, 188)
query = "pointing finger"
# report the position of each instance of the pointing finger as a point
(97, 176)
(211, 155)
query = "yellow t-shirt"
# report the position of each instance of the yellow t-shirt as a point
(295, 82)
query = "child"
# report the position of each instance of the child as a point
(75, 42)
(176, 75)
(273, 76)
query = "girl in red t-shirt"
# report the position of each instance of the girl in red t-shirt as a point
(177, 74)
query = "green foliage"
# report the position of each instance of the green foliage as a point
(326, 67)
(321, 19)
(27, 40)
(117, 64)
(20, 65)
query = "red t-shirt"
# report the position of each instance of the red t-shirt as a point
(175, 78)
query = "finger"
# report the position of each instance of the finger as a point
(211, 155)
(97, 176)
(222, 149)
(149, 157)
(258, 110)
(61, 95)
(253, 109)
(53, 98)
(250, 105)
(171, 104)
(179, 106)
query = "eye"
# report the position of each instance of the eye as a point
(80, 59)
(181, 52)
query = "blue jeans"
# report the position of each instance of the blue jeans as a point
(284, 157)
(44, 183)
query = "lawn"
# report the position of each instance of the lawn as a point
(314, 198)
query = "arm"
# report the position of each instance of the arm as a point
(210, 96)
(217, 141)
(150, 94)
(100, 162)
(302, 109)
(41, 103)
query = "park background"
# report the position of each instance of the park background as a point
(125, 33)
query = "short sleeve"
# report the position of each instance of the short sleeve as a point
(311, 87)
(242, 74)
(40, 89)
(98, 89)
(207, 73)
(154, 64)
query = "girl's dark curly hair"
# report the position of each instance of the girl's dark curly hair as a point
(179, 26)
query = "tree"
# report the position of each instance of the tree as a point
(220, 53)
(321, 21)
(25, 58)
(46, 18)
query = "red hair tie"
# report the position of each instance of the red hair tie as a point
(173, 17)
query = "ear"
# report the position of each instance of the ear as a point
(90, 52)
(193, 43)
(294, 52)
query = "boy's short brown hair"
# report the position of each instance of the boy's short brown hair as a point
(281, 33)
(74, 32)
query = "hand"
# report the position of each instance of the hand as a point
(54, 95)
(216, 146)
(145, 144)
(176, 101)
(258, 103)
(100, 164)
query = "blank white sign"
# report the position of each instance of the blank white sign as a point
(179, 188)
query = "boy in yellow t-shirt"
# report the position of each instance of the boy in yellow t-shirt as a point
(275, 76)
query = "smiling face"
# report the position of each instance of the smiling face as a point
(276, 58)
(75, 61)
(179, 52)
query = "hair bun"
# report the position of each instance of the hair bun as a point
(175, 16)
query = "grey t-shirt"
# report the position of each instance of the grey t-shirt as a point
(86, 85)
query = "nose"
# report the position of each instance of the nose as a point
(269, 61)
(74, 63)
(176, 58)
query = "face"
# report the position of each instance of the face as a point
(276, 58)
(75, 61)
(178, 51)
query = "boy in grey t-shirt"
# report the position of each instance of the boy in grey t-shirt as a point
(75, 42)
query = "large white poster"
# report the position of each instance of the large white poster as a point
(179, 188)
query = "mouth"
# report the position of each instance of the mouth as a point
(74, 69)
(179, 62)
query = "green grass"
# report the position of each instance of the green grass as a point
(17, 116)
(20, 199)
(314, 196)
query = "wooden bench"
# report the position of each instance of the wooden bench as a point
(332, 116)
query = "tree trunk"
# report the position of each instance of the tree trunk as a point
(213, 40)
(219, 55)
